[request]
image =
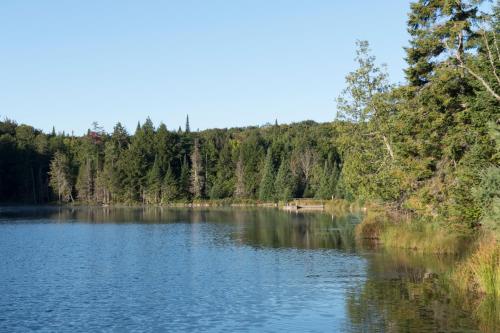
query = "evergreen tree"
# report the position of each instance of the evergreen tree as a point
(85, 182)
(284, 183)
(327, 182)
(266, 189)
(439, 27)
(223, 186)
(164, 147)
(187, 128)
(113, 173)
(154, 183)
(169, 188)
(184, 179)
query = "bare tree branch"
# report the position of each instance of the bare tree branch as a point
(490, 56)
(496, 45)
(483, 81)
(458, 55)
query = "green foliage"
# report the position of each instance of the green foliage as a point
(267, 187)
(85, 182)
(355, 104)
(184, 180)
(197, 173)
(60, 178)
(223, 186)
(153, 184)
(489, 187)
(284, 185)
(169, 188)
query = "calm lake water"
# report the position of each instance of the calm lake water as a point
(218, 270)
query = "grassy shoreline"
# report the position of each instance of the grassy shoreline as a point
(478, 252)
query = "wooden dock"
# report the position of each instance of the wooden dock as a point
(295, 207)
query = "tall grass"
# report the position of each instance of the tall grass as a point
(480, 272)
(340, 206)
(373, 225)
(423, 237)
(393, 230)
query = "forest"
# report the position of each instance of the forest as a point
(429, 146)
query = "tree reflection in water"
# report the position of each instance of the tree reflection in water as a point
(403, 291)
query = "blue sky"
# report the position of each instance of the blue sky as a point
(225, 63)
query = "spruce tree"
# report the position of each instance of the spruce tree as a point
(224, 181)
(284, 183)
(266, 189)
(153, 184)
(187, 128)
(169, 187)
(164, 147)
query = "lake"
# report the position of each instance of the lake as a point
(211, 270)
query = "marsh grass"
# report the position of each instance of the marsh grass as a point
(393, 230)
(474, 282)
(423, 237)
(373, 225)
(480, 271)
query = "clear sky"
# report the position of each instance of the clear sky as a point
(225, 63)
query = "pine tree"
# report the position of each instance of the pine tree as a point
(266, 189)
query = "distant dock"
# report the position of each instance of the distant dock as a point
(302, 205)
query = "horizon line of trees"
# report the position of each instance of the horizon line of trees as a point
(158, 166)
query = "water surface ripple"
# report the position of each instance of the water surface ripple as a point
(115, 270)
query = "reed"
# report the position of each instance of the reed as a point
(423, 237)
(480, 271)
(374, 223)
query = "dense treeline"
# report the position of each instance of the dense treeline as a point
(430, 145)
(158, 166)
